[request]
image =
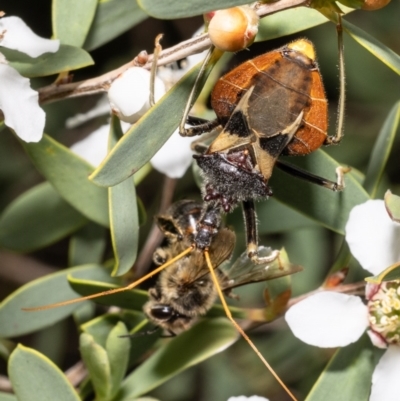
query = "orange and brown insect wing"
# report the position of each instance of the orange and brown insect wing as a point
(312, 134)
(228, 90)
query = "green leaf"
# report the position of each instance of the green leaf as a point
(331, 209)
(118, 355)
(378, 49)
(68, 174)
(288, 22)
(147, 136)
(124, 218)
(49, 289)
(7, 397)
(87, 245)
(390, 274)
(392, 204)
(72, 19)
(170, 9)
(349, 372)
(67, 58)
(37, 218)
(35, 378)
(202, 341)
(132, 299)
(276, 216)
(101, 327)
(112, 18)
(96, 362)
(381, 151)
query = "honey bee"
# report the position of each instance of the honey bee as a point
(185, 290)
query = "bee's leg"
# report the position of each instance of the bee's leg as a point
(168, 335)
(315, 179)
(250, 219)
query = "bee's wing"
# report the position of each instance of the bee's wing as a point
(220, 251)
(244, 271)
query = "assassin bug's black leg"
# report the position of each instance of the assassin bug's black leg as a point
(250, 219)
(315, 179)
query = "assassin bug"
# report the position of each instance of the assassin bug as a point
(269, 106)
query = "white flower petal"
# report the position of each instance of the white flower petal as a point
(94, 147)
(20, 106)
(373, 238)
(385, 379)
(174, 158)
(244, 398)
(129, 94)
(328, 319)
(18, 36)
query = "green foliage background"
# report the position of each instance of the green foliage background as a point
(54, 221)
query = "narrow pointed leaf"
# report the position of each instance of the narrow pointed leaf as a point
(147, 136)
(96, 362)
(68, 58)
(390, 274)
(36, 378)
(124, 218)
(204, 340)
(170, 9)
(350, 370)
(288, 22)
(328, 208)
(112, 18)
(87, 245)
(72, 27)
(101, 327)
(118, 355)
(49, 289)
(381, 151)
(68, 174)
(378, 49)
(37, 218)
(392, 204)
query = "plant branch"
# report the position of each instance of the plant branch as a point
(182, 50)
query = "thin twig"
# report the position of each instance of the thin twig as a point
(155, 236)
(5, 384)
(76, 373)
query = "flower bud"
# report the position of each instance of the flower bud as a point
(129, 94)
(233, 29)
(371, 5)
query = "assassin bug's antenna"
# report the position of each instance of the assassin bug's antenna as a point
(239, 329)
(114, 290)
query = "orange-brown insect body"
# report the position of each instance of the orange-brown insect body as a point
(287, 82)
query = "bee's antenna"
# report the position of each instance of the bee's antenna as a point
(114, 290)
(240, 330)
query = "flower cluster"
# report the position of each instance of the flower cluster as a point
(329, 319)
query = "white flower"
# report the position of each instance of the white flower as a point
(18, 102)
(175, 156)
(329, 319)
(129, 94)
